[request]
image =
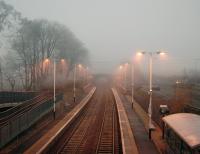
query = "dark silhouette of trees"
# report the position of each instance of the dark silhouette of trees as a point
(34, 41)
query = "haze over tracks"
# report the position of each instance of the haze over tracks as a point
(96, 130)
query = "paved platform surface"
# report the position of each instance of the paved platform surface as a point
(145, 146)
(157, 134)
(128, 142)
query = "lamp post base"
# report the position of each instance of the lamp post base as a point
(54, 115)
(132, 105)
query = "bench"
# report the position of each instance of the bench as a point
(151, 128)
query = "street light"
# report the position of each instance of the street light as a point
(121, 75)
(86, 74)
(46, 60)
(132, 81)
(141, 53)
(54, 82)
(125, 74)
(123, 69)
(75, 74)
(74, 89)
(150, 77)
(81, 72)
(54, 86)
(45, 65)
(80, 66)
(62, 60)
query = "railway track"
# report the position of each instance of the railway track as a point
(25, 107)
(108, 139)
(18, 119)
(96, 129)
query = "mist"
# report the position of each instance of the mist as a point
(113, 31)
(85, 76)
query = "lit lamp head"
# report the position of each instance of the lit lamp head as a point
(79, 65)
(62, 60)
(46, 60)
(162, 53)
(140, 53)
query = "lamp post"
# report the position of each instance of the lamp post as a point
(132, 82)
(75, 78)
(125, 74)
(151, 79)
(86, 74)
(150, 86)
(121, 75)
(46, 61)
(54, 83)
(54, 86)
(74, 89)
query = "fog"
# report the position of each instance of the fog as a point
(113, 30)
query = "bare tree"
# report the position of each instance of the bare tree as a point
(10, 70)
(8, 15)
(35, 40)
(11, 80)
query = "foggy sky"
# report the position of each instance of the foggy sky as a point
(113, 30)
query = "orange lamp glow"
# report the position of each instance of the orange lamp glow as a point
(162, 53)
(46, 60)
(139, 54)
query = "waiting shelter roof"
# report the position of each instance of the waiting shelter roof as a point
(186, 126)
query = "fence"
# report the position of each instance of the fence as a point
(16, 125)
(10, 97)
(191, 109)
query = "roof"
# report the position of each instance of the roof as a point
(186, 126)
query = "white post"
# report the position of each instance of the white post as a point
(132, 82)
(125, 67)
(74, 89)
(121, 77)
(150, 87)
(87, 72)
(54, 86)
(85, 75)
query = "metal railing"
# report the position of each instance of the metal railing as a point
(22, 121)
(10, 97)
(191, 109)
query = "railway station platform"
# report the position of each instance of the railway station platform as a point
(144, 144)
(127, 136)
(46, 141)
(142, 117)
